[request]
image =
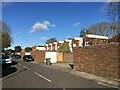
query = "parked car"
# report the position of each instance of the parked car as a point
(28, 58)
(17, 56)
(5, 60)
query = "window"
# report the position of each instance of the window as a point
(87, 43)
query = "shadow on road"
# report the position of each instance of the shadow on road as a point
(7, 70)
(14, 63)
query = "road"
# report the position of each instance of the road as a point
(37, 75)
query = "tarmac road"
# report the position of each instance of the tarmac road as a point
(37, 75)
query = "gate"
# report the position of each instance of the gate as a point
(59, 57)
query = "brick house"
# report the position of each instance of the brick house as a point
(74, 42)
(51, 46)
(38, 48)
(77, 42)
(59, 44)
(54, 46)
(94, 39)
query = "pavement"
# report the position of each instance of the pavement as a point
(105, 81)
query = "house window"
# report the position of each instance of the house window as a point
(74, 45)
(87, 43)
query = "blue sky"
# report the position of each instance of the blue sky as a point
(34, 22)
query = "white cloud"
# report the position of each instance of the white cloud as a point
(46, 23)
(41, 26)
(45, 38)
(76, 24)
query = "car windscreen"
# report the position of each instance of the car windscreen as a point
(28, 56)
(17, 55)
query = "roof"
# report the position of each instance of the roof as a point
(55, 43)
(37, 46)
(68, 40)
(96, 36)
(78, 38)
(40, 46)
(61, 41)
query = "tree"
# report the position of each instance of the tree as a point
(51, 40)
(113, 13)
(8, 51)
(18, 48)
(113, 10)
(102, 28)
(65, 48)
(84, 32)
(5, 39)
(115, 30)
(28, 49)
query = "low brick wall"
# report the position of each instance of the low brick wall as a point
(101, 60)
(67, 57)
(22, 54)
(39, 56)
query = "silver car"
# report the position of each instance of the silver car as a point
(5, 60)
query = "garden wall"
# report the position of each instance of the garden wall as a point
(39, 56)
(101, 60)
(68, 57)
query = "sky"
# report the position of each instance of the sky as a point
(32, 23)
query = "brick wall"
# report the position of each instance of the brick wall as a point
(39, 56)
(101, 60)
(22, 54)
(68, 57)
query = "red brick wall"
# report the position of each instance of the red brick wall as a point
(22, 54)
(53, 47)
(101, 60)
(39, 56)
(34, 48)
(68, 57)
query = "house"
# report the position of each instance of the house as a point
(74, 42)
(51, 46)
(59, 44)
(54, 46)
(38, 48)
(114, 39)
(77, 42)
(90, 39)
(69, 41)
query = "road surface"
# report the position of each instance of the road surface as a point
(37, 75)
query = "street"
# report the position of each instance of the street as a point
(36, 75)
